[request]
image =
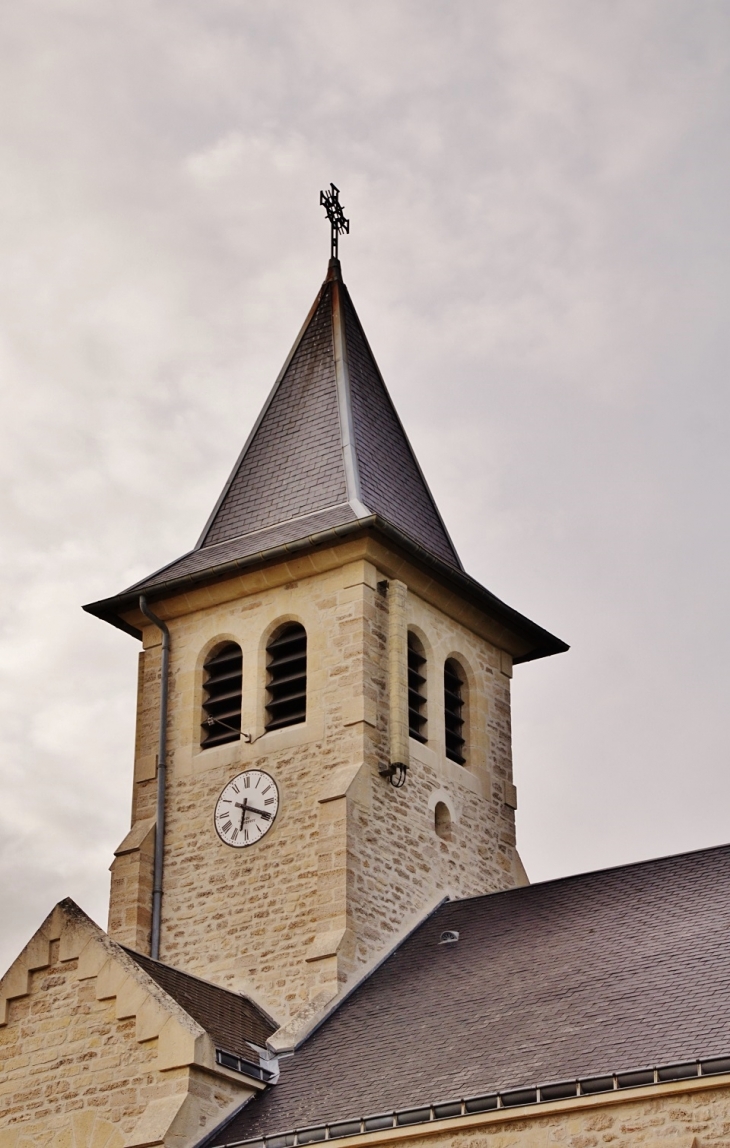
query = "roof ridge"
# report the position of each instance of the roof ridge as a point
(344, 396)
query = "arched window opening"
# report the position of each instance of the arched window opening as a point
(287, 672)
(416, 689)
(454, 711)
(442, 821)
(222, 703)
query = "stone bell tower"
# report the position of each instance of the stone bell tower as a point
(325, 640)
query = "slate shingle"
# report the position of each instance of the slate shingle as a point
(609, 971)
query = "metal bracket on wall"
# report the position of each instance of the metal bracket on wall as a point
(395, 772)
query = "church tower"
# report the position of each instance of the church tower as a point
(322, 758)
(335, 693)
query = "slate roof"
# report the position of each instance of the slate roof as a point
(231, 1020)
(610, 971)
(327, 458)
(329, 408)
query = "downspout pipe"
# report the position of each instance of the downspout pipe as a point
(161, 780)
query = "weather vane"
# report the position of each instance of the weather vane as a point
(330, 201)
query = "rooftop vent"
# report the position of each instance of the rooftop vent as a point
(449, 937)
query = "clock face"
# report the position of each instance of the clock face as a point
(246, 808)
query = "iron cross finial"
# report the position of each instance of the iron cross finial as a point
(330, 201)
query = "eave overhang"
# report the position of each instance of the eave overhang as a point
(540, 643)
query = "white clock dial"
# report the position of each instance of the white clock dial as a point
(246, 808)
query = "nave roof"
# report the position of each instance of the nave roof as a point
(585, 976)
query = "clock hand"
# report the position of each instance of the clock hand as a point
(261, 812)
(252, 809)
(242, 807)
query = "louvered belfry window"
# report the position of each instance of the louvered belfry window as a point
(287, 677)
(416, 689)
(222, 704)
(454, 711)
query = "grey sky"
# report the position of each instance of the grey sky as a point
(539, 254)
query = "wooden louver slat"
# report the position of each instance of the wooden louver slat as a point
(453, 712)
(416, 693)
(287, 671)
(222, 703)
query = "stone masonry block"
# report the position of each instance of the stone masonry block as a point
(38, 952)
(150, 1019)
(176, 1045)
(130, 998)
(110, 978)
(92, 959)
(155, 1121)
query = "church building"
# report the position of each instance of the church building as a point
(319, 924)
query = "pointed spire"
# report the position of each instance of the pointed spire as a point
(327, 458)
(327, 448)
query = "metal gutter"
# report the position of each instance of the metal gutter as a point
(161, 780)
(545, 643)
(492, 1102)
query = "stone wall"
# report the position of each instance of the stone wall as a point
(350, 861)
(93, 1053)
(397, 861)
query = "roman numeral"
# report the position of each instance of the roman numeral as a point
(247, 781)
(234, 835)
(227, 827)
(269, 801)
(268, 787)
(235, 787)
(258, 782)
(245, 834)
